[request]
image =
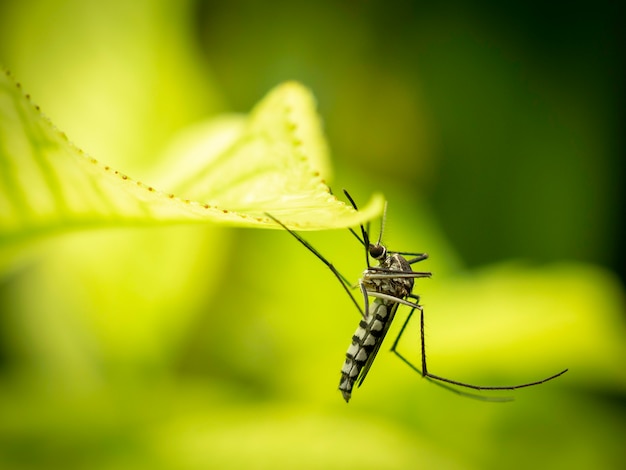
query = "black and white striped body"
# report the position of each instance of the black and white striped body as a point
(372, 329)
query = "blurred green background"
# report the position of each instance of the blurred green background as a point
(494, 131)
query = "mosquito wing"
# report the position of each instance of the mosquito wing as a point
(375, 308)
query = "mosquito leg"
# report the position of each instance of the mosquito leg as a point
(366, 301)
(425, 372)
(364, 232)
(415, 297)
(426, 376)
(390, 298)
(418, 256)
(356, 235)
(376, 272)
(342, 279)
(423, 341)
(395, 343)
(509, 387)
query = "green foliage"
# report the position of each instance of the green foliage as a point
(232, 173)
(166, 337)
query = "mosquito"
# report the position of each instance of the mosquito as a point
(390, 284)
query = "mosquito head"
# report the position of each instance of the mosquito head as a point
(378, 251)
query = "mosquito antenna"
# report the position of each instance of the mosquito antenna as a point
(382, 224)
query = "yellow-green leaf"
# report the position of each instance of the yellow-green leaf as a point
(233, 171)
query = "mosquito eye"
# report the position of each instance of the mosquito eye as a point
(377, 251)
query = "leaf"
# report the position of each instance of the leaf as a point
(233, 172)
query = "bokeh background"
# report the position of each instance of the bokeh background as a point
(494, 129)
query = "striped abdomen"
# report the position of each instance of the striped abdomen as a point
(365, 344)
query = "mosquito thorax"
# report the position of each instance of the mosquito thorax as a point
(377, 251)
